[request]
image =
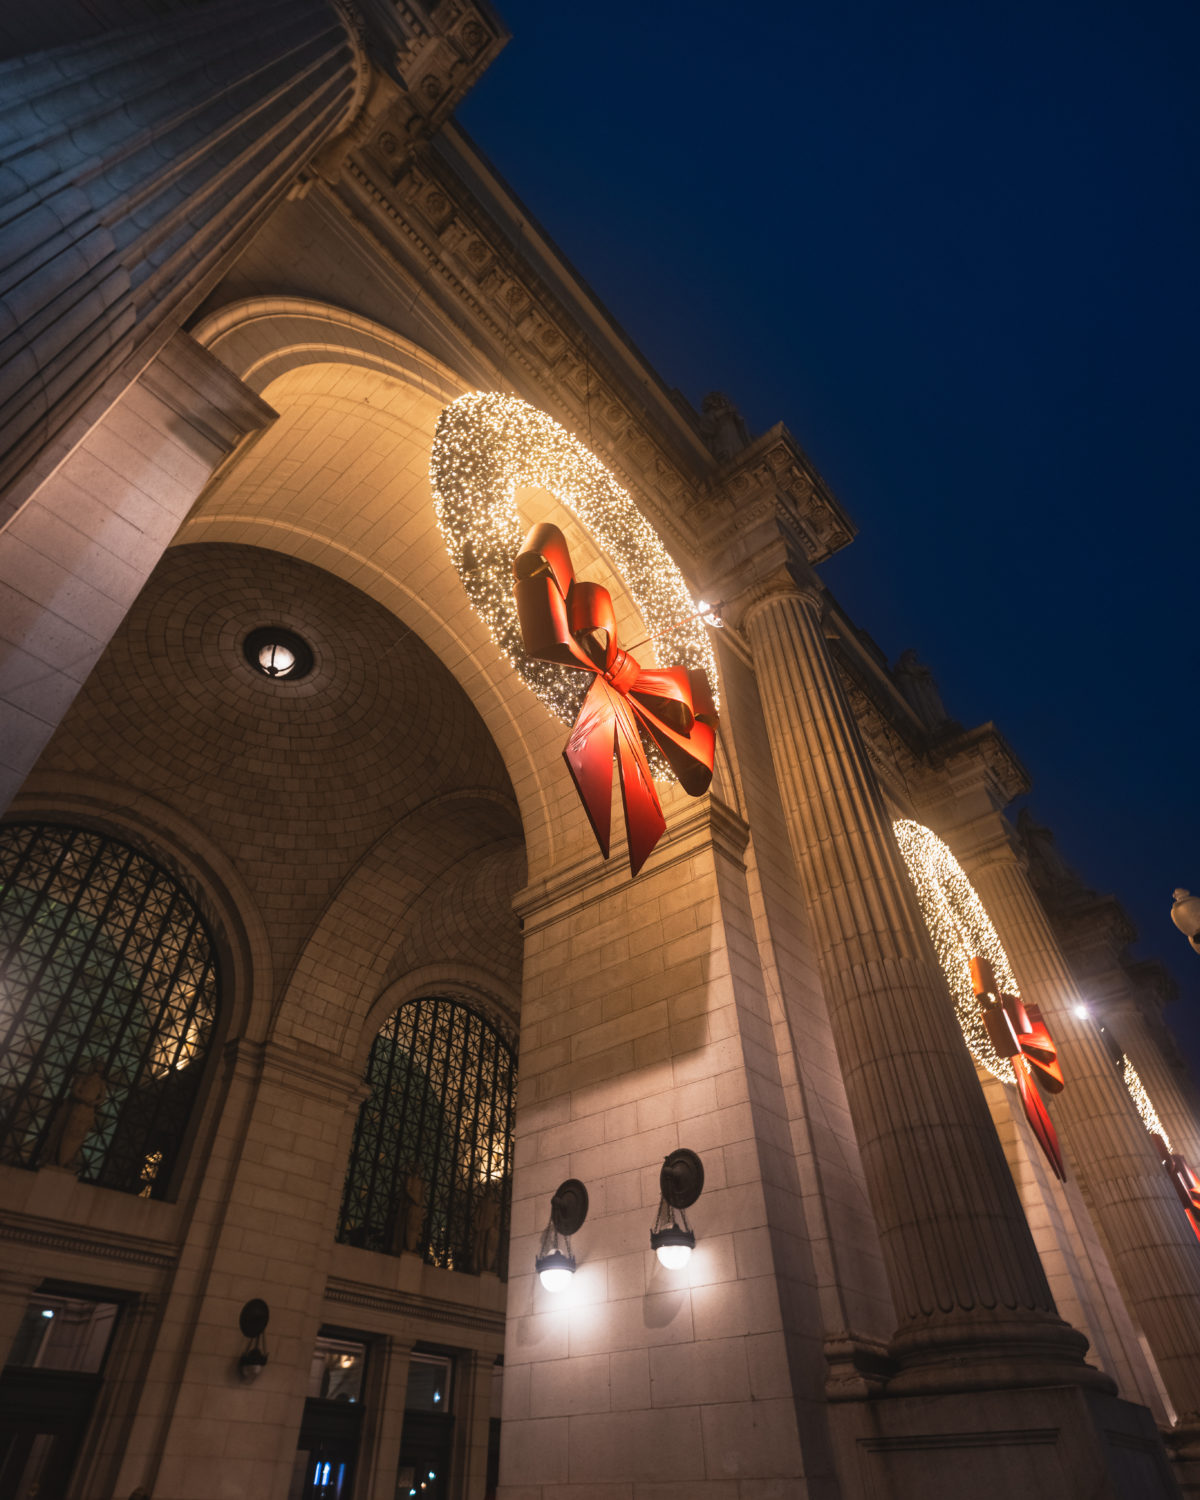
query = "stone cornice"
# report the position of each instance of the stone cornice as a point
(431, 55)
(773, 475)
(48, 1235)
(982, 751)
(446, 217)
(427, 220)
(195, 385)
(706, 822)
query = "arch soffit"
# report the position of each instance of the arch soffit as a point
(353, 946)
(225, 899)
(295, 352)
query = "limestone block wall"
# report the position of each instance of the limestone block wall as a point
(645, 1027)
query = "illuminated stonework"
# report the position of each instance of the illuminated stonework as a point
(487, 446)
(1141, 1099)
(960, 929)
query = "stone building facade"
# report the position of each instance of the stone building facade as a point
(281, 941)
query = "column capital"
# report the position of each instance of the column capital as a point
(767, 564)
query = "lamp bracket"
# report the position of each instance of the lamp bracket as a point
(253, 1318)
(569, 1206)
(681, 1180)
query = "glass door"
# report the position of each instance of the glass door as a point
(48, 1390)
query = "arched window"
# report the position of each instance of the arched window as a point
(430, 1165)
(108, 993)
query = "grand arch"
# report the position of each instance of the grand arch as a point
(341, 481)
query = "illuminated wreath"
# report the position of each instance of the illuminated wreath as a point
(960, 929)
(485, 448)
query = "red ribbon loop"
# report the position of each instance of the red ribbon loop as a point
(1183, 1180)
(574, 624)
(1017, 1031)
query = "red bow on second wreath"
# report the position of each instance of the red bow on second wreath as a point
(1018, 1032)
(574, 624)
(1183, 1180)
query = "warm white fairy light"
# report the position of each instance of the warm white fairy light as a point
(1141, 1099)
(961, 930)
(488, 446)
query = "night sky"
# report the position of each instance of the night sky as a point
(955, 249)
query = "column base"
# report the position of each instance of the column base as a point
(1066, 1441)
(1183, 1444)
(972, 1354)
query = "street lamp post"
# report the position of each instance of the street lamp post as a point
(1185, 913)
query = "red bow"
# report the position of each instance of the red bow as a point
(574, 624)
(1017, 1031)
(1183, 1180)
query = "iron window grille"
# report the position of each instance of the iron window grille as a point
(105, 966)
(440, 1109)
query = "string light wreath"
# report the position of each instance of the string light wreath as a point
(1141, 1100)
(486, 447)
(960, 929)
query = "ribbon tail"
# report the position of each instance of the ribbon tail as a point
(589, 757)
(644, 821)
(1039, 1120)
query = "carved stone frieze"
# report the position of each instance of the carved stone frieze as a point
(422, 206)
(436, 62)
(772, 472)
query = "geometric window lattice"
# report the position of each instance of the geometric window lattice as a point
(430, 1164)
(108, 994)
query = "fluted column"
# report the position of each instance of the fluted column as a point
(1136, 1038)
(969, 1289)
(134, 164)
(1151, 1246)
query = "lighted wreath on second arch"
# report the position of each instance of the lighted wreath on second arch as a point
(487, 446)
(960, 929)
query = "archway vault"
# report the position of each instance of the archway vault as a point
(341, 481)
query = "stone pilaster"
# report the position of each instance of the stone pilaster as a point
(262, 1228)
(135, 165)
(1150, 1244)
(17, 1287)
(969, 1289)
(472, 1415)
(381, 1466)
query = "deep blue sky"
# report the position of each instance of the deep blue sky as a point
(955, 248)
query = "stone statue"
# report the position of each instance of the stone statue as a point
(485, 1232)
(413, 1212)
(75, 1117)
(722, 426)
(915, 681)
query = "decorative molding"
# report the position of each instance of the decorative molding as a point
(707, 822)
(416, 1308)
(469, 256)
(42, 1234)
(773, 472)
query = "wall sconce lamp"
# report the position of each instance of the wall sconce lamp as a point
(680, 1182)
(253, 1320)
(555, 1263)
